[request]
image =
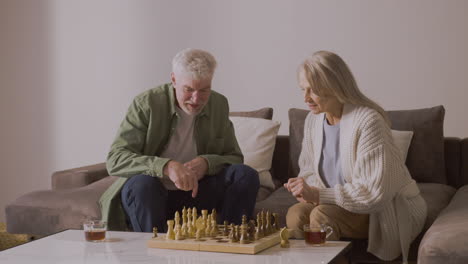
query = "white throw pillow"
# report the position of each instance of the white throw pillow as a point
(402, 140)
(257, 139)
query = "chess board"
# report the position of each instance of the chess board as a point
(216, 244)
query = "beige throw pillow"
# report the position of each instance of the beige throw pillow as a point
(402, 140)
(257, 138)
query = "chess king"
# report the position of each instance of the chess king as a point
(176, 147)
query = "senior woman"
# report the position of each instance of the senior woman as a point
(352, 176)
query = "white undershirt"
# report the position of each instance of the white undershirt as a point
(182, 146)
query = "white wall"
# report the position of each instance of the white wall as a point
(69, 68)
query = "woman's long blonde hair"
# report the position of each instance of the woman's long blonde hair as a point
(328, 74)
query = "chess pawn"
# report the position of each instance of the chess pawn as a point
(232, 236)
(178, 235)
(191, 231)
(155, 232)
(170, 230)
(214, 228)
(208, 228)
(204, 214)
(225, 228)
(276, 221)
(198, 235)
(214, 215)
(208, 220)
(243, 235)
(236, 233)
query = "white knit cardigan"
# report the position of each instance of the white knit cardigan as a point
(377, 180)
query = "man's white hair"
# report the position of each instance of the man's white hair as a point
(197, 64)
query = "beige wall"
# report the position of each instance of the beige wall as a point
(69, 68)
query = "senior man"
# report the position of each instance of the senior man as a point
(176, 147)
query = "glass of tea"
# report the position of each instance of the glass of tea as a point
(317, 234)
(95, 230)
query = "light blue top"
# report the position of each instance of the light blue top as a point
(329, 165)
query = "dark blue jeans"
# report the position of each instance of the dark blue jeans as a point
(232, 192)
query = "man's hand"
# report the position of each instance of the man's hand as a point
(302, 191)
(184, 178)
(199, 166)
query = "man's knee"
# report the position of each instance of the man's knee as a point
(245, 175)
(143, 186)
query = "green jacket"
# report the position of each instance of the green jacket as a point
(144, 134)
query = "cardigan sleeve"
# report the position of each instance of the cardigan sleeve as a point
(374, 172)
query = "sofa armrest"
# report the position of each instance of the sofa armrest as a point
(78, 177)
(446, 240)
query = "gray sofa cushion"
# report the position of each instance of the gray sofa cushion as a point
(425, 159)
(296, 134)
(56, 210)
(265, 113)
(445, 241)
(278, 202)
(437, 197)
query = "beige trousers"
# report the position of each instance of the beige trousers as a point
(344, 223)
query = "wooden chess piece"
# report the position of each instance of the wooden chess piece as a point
(214, 228)
(259, 234)
(177, 226)
(276, 221)
(198, 236)
(236, 233)
(284, 235)
(243, 235)
(155, 232)
(200, 225)
(244, 220)
(232, 236)
(170, 230)
(214, 215)
(191, 231)
(189, 217)
(178, 235)
(194, 217)
(268, 223)
(251, 230)
(184, 219)
(204, 213)
(263, 221)
(225, 228)
(208, 228)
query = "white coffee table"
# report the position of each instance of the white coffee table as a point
(130, 247)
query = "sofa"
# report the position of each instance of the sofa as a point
(439, 164)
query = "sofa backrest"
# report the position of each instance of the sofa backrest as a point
(455, 149)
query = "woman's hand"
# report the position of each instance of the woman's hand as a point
(302, 191)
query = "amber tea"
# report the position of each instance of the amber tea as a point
(317, 234)
(95, 235)
(315, 237)
(95, 230)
